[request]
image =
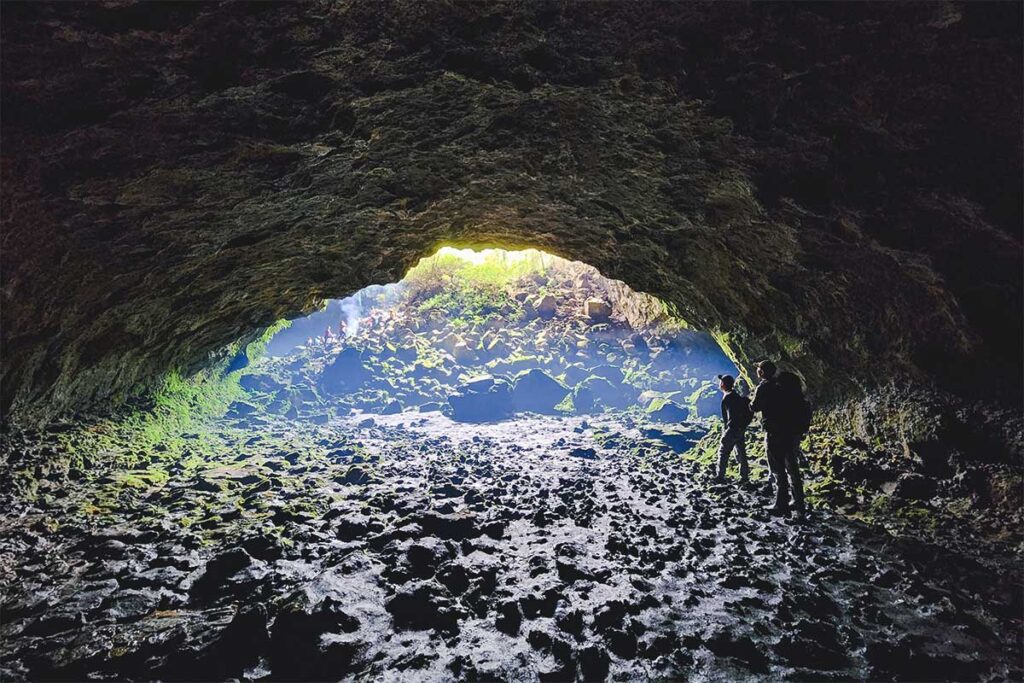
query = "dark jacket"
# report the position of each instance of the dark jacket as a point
(734, 411)
(770, 401)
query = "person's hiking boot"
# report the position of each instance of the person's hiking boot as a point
(799, 516)
(777, 511)
(718, 479)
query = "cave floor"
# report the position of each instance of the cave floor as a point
(411, 547)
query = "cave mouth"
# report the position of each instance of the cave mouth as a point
(492, 335)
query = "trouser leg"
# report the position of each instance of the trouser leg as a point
(741, 455)
(795, 476)
(776, 447)
(724, 449)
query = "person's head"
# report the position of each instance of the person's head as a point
(726, 382)
(766, 369)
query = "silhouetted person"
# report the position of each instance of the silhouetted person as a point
(736, 417)
(783, 410)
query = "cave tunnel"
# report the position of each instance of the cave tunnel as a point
(834, 187)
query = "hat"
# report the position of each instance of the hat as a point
(727, 380)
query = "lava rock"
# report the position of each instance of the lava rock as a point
(594, 663)
(915, 487)
(538, 392)
(604, 393)
(426, 555)
(669, 412)
(214, 578)
(423, 607)
(495, 403)
(597, 309)
(308, 640)
(345, 374)
(509, 617)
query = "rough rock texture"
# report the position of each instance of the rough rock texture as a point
(541, 549)
(833, 185)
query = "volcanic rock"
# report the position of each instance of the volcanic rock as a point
(597, 309)
(536, 391)
(345, 374)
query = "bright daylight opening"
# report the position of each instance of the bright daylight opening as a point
(492, 335)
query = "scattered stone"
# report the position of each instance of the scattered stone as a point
(597, 309)
(546, 306)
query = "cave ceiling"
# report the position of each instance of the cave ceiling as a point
(836, 186)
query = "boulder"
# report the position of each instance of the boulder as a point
(612, 373)
(241, 409)
(546, 306)
(344, 374)
(667, 411)
(497, 348)
(576, 373)
(597, 309)
(423, 607)
(915, 487)
(706, 401)
(583, 400)
(463, 354)
(259, 382)
(605, 393)
(536, 391)
(478, 384)
(482, 406)
(679, 440)
(406, 354)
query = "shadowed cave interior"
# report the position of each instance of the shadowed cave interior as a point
(350, 340)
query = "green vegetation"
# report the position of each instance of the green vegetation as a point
(490, 267)
(173, 428)
(469, 287)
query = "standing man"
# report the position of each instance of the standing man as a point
(779, 414)
(736, 417)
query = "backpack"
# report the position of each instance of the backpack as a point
(744, 416)
(802, 415)
(797, 413)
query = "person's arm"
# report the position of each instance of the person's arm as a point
(725, 413)
(755, 403)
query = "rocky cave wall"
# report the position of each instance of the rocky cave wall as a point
(837, 186)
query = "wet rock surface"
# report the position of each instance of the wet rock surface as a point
(469, 551)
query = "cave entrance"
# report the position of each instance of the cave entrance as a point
(494, 336)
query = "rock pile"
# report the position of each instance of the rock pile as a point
(562, 351)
